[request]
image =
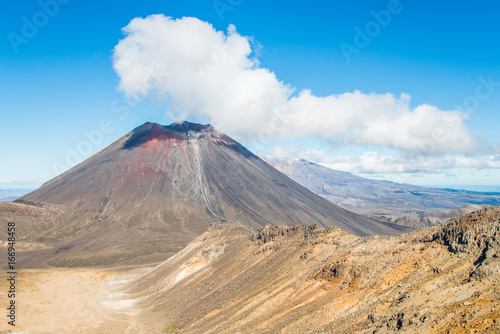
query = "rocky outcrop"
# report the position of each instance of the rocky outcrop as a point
(475, 233)
(271, 232)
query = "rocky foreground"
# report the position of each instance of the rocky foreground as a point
(283, 279)
(306, 280)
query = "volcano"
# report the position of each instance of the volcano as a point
(148, 194)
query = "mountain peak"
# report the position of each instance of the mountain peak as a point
(186, 126)
(182, 126)
(150, 131)
(158, 187)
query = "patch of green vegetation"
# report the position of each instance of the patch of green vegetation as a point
(170, 329)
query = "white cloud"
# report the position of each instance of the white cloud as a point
(215, 75)
(376, 163)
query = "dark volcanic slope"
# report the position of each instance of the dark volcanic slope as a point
(383, 198)
(156, 188)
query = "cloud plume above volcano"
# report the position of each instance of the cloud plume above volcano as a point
(216, 75)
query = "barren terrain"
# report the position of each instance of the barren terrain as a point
(74, 301)
(305, 280)
(284, 279)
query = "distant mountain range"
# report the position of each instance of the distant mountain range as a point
(374, 197)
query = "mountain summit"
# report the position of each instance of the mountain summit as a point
(158, 187)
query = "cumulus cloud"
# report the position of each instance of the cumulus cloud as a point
(215, 75)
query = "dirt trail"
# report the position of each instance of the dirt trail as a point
(73, 301)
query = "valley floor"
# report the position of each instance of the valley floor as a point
(72, 301)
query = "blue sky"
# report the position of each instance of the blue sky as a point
(61, 83)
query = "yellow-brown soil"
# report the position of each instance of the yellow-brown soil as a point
(72, 301)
